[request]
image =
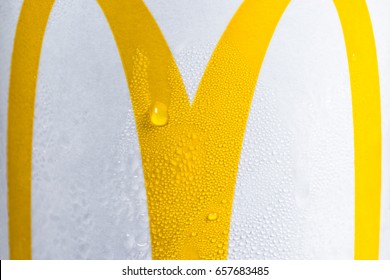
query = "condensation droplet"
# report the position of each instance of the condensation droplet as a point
(212, 216)
(354, 57)
(159, 114)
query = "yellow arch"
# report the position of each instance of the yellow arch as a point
(363, 69)
(24, 71)
(190, 165)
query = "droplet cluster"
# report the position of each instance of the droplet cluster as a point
(190, 164)
(264, 223)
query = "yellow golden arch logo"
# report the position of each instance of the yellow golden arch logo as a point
(190, 164)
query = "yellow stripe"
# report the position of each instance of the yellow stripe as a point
(25, 61)
(190, 165)
(363, 68)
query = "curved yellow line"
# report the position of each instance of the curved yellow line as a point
(24, 70)
(364, 76)
(190, 165)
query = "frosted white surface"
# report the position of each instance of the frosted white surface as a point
(88, 192)
(295, 188)
(192, 29)
(322, 165)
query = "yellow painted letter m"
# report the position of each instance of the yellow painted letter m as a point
(191, 155)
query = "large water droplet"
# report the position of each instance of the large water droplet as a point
(354, 57)
(159, 114)
(212, 216)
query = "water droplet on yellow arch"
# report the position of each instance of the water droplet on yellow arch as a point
(159, 114)
(354, 57)
(212, 216)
